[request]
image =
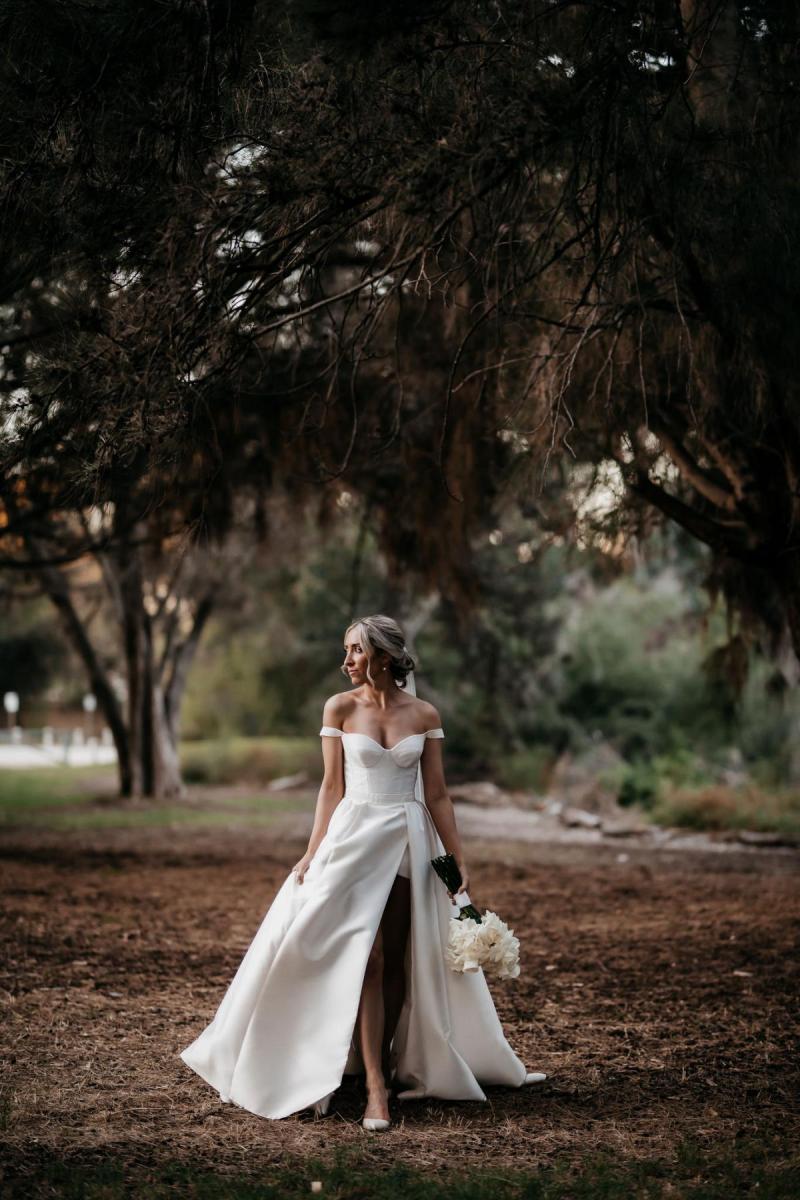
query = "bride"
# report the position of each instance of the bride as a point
(346, 973)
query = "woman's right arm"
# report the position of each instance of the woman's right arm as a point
(332, 786)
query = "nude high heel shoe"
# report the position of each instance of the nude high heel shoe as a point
(375, 1124)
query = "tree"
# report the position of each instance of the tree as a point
(628, 182)
(590, 204)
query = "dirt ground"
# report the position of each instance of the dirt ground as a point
(659, 996)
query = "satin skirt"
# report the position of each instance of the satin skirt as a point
(283, 1035)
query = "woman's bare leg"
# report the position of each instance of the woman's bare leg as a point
(382, 995)
(370, 1031)
(395, 925)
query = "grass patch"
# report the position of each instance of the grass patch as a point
(24, 792)
(60, 797)
(695, 1174)
(720, 807)
(85, 798)
(264, 811)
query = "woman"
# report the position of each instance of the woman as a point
(347, 970)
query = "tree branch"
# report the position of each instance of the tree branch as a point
(719, 496)
(719, 537)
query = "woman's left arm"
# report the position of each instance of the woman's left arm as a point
(440, 805)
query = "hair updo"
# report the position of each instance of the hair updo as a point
(383, 633)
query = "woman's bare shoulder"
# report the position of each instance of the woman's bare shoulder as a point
(337, 708)
(428, 714)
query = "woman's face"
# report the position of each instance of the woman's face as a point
(356, 659)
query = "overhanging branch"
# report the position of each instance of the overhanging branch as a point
(735, 540)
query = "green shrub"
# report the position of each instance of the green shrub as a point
(530, 768)
(720, 807)
(643, 781)
(249, 760)
(638, 784)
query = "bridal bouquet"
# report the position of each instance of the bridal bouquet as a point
(476, 941)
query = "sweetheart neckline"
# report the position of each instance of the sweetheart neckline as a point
(355, 733)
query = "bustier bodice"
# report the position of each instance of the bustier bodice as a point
(375, 771)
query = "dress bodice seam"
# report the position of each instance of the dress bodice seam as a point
(332, 731)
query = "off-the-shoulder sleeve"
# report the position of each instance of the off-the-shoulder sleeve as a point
(330, 731)
(437, 733)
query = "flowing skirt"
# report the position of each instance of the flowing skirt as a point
(283, 1036)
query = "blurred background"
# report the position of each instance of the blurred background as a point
(302, 319)
(597, 676)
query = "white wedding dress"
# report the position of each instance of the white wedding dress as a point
(284, 1034)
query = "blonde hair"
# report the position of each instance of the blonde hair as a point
(383, 633)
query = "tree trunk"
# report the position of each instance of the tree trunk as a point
(178, 665)
(147, 741)
(133, 616)
(54, 584)
(154, 751)
(167, 781)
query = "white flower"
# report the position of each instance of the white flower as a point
(490, 945)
